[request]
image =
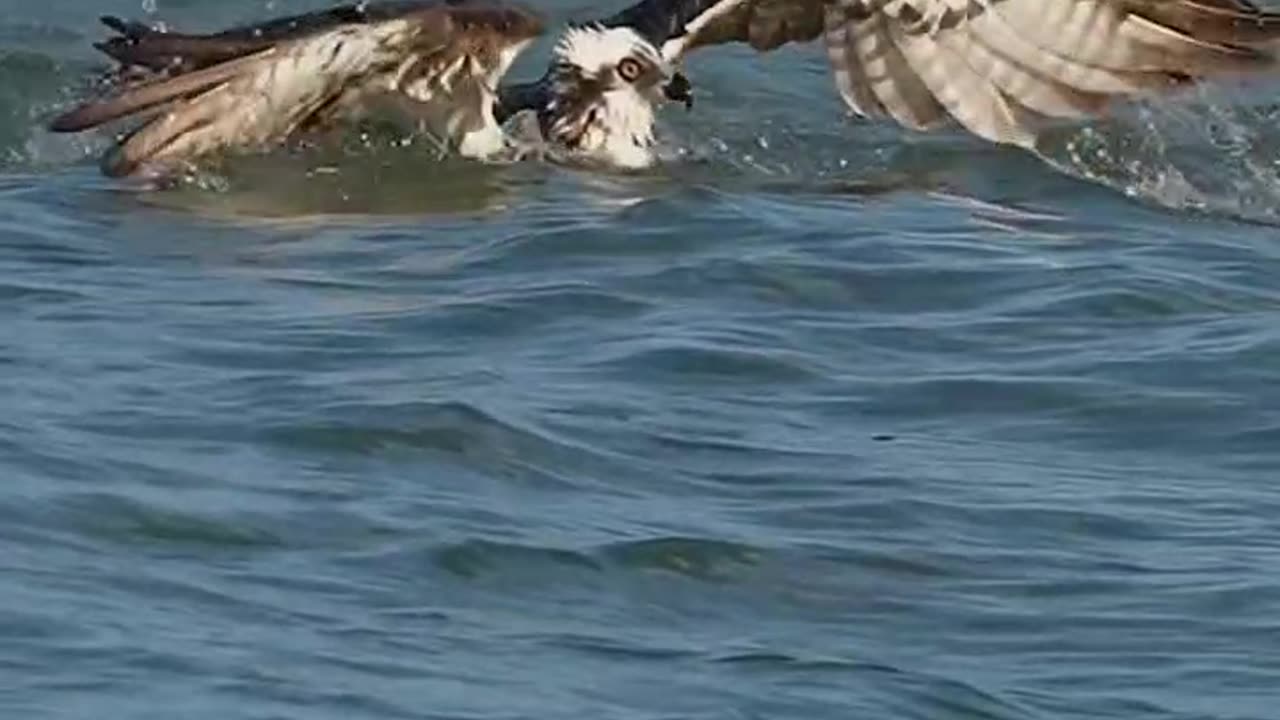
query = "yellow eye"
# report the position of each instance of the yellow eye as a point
(629, 69)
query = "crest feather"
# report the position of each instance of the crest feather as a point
(594, 46)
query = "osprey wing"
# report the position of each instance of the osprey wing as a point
(252, 86)
(998, 67)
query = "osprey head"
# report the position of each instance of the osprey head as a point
(604, 85)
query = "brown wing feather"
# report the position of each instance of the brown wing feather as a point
(1215, 21)
(1000, 67)
(141, 46)
(297, 71)
(762, 24)
(138, 44)
(145, 95)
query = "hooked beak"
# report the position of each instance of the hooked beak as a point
(679, 89)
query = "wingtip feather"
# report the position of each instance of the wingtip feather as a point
(81, 117)
(114, 23)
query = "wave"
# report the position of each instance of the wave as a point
(117, 519)
(705, 560)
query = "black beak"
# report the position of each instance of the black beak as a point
(679, 89)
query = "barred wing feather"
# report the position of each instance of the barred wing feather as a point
(997, 67)
(255, 86)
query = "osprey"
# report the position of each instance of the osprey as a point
(439, 61)
(1000, 69)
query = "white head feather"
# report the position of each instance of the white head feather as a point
(594, 48)
(618, 127)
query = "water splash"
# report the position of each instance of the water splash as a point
(32, 86)
(1215, 152)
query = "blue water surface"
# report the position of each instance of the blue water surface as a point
(822, 420)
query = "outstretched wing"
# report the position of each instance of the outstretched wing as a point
(253, 86)
(998, 67)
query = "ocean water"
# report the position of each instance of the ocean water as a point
(821, 420)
